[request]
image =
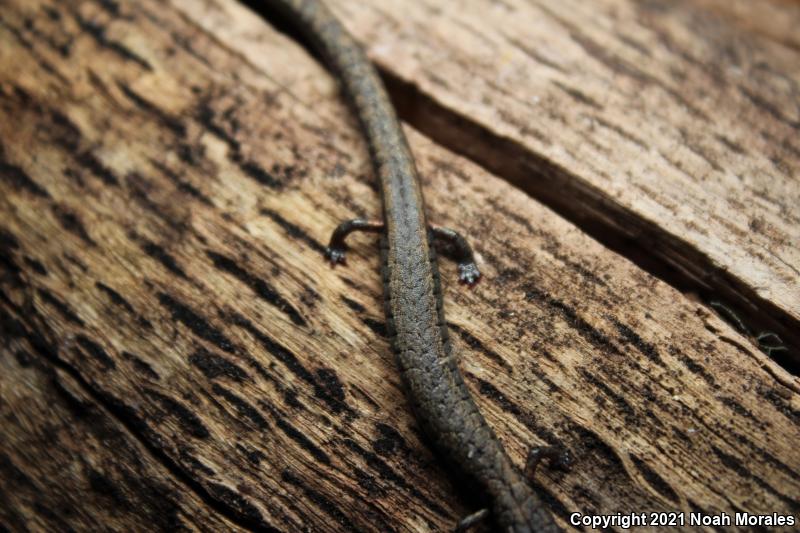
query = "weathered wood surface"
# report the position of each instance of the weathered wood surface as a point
(169, 174)
(66, 461)
(670, 128)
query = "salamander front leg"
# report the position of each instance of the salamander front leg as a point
(335, 251)
(467, 268)
(558, 457)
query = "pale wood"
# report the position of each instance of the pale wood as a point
(670, 127)
(167, 185)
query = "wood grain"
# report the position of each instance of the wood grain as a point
(669, 130)
(68, 463)
(169, 175)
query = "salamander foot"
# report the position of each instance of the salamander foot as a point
(467, 268)
(559, 458)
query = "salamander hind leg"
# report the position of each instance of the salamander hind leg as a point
(558, 457)
(462, 252)
(336, 249)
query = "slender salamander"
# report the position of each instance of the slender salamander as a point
(412, 293)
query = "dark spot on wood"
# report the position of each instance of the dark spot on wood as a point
(260, 175)
(780, 402)
(770, 108)
(258, 285)
(213, 366)
(739, 409)
(197, 324)
(656, 481)
(92, 164)
(117, 299)
(476, 344)
(55, 518)
(243, 408)
(170, 122)
(80, 405)
(621, 132)
(625, 408)
(254, 456)
(389, 441)
(139, 191)
(162, 256)
(247, 513)
(293, 231)
(578, 96)
(141, 366)
(352, 304)
(14, 272)
(8, 241)
(693, 366)
(12, 472)
(330, 384)
(96, 351)
(629, 336)
(634, 44)
(205, 115)
(378, 327)
(192, 155)
(493, 393)
(291, 362)
(63, 309)
(98, 33)
(111, 6)
(156, 503)
(767, 456)
(731, 145)
(195, 465)
(183, 185)
(594, 447)
(24, 359)
(115, 296)
(36, 266)
(736, 464)
(586, 330)
(190, 422)
(10, 326)
(290, 397)
(72, 223)
(320, 501)
(65, 132)
(386, 472)
(368, 483)
(52, 13)
(19, 180)
(105, 487)
(304, 442)
(731, 462)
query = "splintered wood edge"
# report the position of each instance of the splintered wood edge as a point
(166, 191)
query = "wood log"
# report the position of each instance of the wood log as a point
(177, 353)
(668, 130)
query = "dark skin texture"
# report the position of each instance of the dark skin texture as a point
(412, 292)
